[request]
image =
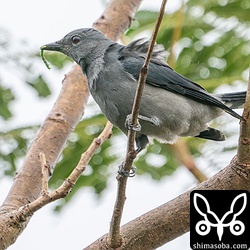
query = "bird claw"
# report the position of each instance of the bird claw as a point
(130, 126)
(121, 171)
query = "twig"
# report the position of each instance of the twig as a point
(69, 183)
(114, 232)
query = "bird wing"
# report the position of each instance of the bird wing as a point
(162, 76)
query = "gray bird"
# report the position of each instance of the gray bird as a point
(172, 105)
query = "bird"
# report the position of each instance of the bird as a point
(172, 105)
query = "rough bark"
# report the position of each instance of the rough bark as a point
(117, 17)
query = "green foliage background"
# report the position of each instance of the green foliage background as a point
(207, 41)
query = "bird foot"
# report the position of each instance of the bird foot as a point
(130, 126)
(121, 171)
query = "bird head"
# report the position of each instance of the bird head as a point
(78, 44)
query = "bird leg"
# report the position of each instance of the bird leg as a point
(121, 171)
(128, 124)
(141, 139)
(141, 143)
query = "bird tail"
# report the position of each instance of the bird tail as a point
(212, 134)
(233, 100)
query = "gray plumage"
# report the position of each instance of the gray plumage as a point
(172, 105)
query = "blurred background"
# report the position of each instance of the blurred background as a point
(206, 41)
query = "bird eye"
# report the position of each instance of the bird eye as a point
(75, 39)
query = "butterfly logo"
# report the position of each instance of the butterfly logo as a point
(210, 219)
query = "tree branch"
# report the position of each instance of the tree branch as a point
(117, 17)
(243, 153)
(115, 235)
(69, 183)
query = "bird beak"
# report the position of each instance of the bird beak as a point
(52, 46)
